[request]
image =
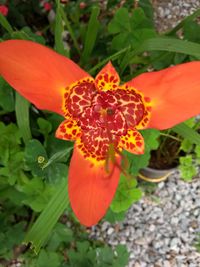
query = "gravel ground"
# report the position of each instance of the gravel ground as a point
(161, 233)
(169, 12)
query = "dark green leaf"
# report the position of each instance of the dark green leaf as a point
(114, 217)
(185, 131)
(7, 101)
(35, 157)
(126, 194)
(5, 24)
(42, 228)
(48, 258)
(91, 34)
(120, 22)
(22, 115)
(59, 29)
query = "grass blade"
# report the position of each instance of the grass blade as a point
(5, 24)
(111, 57)
(187, 132)
(164, 44)
(91, 34)
(181, 24)
(43, 226)
(59, 29)
(68, 26)
(22, 116)
(58, 156)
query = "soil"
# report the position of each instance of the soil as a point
(166, 156)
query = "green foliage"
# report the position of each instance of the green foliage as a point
(34, 164)
(114, 217)
(91, 34)
(140, 161)
(188, 170)
(126, 194)
(59, 29)
(190, 145)
(7, 101)
(130, 29)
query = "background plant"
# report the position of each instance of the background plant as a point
(34, 164)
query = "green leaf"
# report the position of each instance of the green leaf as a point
(91, 34)
(186, 20)
(5, 24)
(132, 30)
(186, 145)
(122, 257)
(138, 162)
(126, 194)
(197, 151)
(147, 8)
(22, 116)
(48, 258)
(26, 34)
(35, 157)
(106, 256)
(45, 223)
(139, 20)
(45, 126)
(164, 44)
(60, 234)
(114, 217)
(171, 45)
(37, 193)
(187, 160)
(151, 138)
(192, 31)
(68, 26)
(83, 256)
(120, 22)
(186, 167)
(185, 131)
(13, 168)
(111, 57)
(10, 141)
(7, 101)
(59, 29)
(58, 156)
(12, 236)
(56, 172)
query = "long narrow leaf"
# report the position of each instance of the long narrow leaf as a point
(112, 57)
(59, 29)
(22, 116)
(68, 26)
(58, 156)
(181, 24)
(164, 44)
(42, 228)
(188, 133)
(5, 24)
(91, 34)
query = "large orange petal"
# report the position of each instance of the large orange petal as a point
(107, 78)
(91, 188)
(175, 93)
(37, 72)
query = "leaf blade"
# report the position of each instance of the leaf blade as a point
(43, 226)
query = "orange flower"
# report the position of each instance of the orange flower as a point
(102, 116)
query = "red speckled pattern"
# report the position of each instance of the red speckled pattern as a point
(100, 117)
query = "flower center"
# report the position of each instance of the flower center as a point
(104, 116)
(115, 110)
